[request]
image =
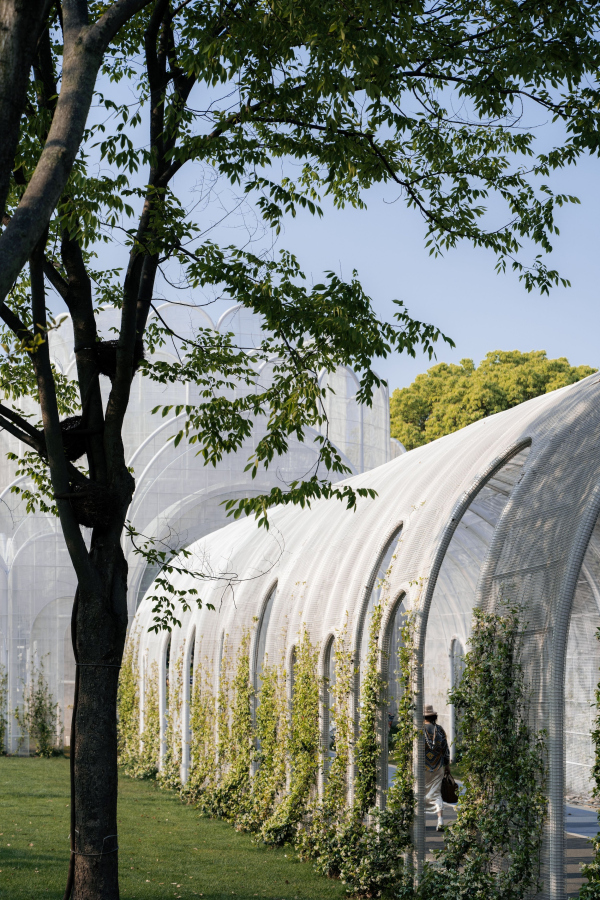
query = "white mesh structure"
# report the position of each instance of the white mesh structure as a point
(177, 498)
(503, 510)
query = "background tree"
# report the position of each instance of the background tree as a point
(448, 397)
(286, 102)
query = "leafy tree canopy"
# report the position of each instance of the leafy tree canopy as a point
(276, 105)
(448, 397)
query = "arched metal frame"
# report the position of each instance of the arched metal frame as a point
(290, 670)
(324, 672)
(387, 625)
(556, 747)
(255, 663)
(257, 633)
(163, 700)
(171, 487)
(392, 538)
(422, 614)
(555, 840)
(523, 550)
(189, 660)
(455, 639)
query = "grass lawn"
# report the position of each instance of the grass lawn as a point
(166, 848)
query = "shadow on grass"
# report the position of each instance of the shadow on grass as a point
(166, 848)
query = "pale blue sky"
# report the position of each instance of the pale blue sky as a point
(460, 293)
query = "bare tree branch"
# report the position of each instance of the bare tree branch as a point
(22, 423)
(102, 33)
(9, 426)
(55, 278)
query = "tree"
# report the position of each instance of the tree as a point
(286, 102)
(448, 397)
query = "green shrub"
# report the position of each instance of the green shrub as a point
(281, 827)
(202, 735)
(38, 717)
(128, 705)
(271, 752)
(493, 849)
(229, 794)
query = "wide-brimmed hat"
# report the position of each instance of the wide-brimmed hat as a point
(429, 710)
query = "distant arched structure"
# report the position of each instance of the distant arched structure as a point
(177, 499)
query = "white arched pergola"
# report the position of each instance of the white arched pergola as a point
(504, 509)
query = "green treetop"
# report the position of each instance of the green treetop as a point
(448, 397)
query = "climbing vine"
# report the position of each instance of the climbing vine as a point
(128, 705)
(281, 827)
(229, 798)
(138, 750)
(319, 838)
(150, 736)
(170, 770)
(38, 717)
(401, 795)
(493, 849)
(3, 709)
(372, 853)
(202, 735)
(271, 751)
(382, 861)
(367, 750)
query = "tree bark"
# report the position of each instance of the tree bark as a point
(21, 23)
(101, 628)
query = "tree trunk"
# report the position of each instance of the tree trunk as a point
(100, 632)
(21, 23)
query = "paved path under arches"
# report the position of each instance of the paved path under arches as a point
(581, 824)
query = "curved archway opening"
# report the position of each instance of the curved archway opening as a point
(582, 673)
(377, 584)
(186, 704)
(165, 665)
(455, 592)
(392, 644)
(260, 643)
(327, 706)
(457, 667)
(451, 595)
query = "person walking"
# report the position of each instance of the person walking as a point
(437, 763)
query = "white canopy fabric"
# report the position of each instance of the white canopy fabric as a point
(505, 509)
